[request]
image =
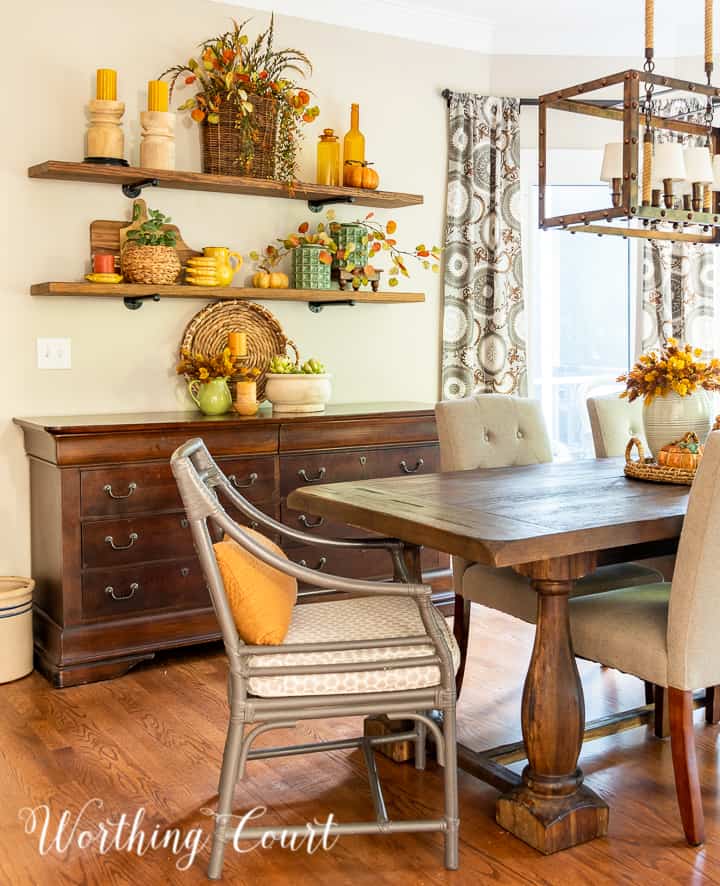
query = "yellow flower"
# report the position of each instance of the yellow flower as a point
(203, 373)
(698, 352)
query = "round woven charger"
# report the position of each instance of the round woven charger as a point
(207, 333)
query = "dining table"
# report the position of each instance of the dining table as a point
(553, 523)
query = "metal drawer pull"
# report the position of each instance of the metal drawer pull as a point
(184, 523)
(302, 473)
(403, 465)
(305, 522)
(132, 538)
(251, 480)
(109, 490)
(320, 564)
(133, 588)
(184, 572)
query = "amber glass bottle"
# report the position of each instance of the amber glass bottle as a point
(328, 159)
(353, 144)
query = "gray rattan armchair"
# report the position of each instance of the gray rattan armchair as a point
(384, 650)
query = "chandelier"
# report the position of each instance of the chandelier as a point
(664, 172)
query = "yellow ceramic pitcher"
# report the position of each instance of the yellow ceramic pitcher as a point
(223, 256)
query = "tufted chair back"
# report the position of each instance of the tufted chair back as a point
(491, 431)
(613, 422)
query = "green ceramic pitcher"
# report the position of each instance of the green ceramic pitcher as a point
(212, 397)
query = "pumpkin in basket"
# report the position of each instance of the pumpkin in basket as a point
(685, 453)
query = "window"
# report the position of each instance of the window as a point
(580, 297)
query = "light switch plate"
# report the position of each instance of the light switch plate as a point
(53, 353)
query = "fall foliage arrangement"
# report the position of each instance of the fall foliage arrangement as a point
(378, 237)
(232, 69)
(206, 368)
(675, 368)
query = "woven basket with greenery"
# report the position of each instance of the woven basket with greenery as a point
(250, 110)
(225, 144)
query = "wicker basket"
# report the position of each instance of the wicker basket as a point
(224, 145)
(208, 331)
(646, 469)
(150, 264)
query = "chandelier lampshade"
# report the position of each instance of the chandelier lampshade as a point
(698, 165)
(669, 162)
(716, 172)
(612, 165)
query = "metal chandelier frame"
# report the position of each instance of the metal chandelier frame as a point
(639, 212)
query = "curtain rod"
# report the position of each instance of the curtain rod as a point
(597, 102)
(533, 102)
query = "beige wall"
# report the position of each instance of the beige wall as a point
(123, 361)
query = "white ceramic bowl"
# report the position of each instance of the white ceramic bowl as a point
(298, 392)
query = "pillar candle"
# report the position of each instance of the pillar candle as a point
(237, 342)
(157, 95)
(106, 84)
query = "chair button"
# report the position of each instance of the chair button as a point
(519, 435)
(486, 437)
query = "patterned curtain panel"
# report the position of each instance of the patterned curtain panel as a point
(677, 280)
(484, 346)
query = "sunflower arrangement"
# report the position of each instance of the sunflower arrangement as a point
(230, 69)
(206, 368)
(675, 368)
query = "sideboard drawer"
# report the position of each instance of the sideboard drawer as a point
(301, 434)
(151, 487)
(368, 563)
(315, 525)
(403, 460)
(128, 590)
(321, 467)
(135, 540)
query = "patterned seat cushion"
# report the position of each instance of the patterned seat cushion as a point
(364, 618)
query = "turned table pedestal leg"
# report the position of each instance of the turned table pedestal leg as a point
(552, 809)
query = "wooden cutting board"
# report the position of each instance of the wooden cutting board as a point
(107, 237)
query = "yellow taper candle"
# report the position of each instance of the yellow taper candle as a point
(157, 95)
(106, 84)
(237, 342)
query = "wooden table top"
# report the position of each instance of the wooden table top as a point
(509, 516)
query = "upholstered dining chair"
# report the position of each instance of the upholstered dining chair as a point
(613, 421)
(383, 650)
(680, 625)
(492, 431)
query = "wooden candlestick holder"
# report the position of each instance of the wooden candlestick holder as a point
(105, 140)
(157, 148)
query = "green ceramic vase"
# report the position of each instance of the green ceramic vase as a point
(212, 397)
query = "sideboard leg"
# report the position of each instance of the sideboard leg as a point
(552, 809)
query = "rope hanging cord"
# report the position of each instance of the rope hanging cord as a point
(648, 137)
(708, 35)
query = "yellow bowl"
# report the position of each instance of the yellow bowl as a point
(202, 281)
(104, 278)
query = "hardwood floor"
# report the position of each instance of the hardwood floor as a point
(153, 739)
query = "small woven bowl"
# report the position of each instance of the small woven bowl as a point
(150, 264)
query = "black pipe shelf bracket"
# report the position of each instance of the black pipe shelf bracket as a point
(134, 189)
(319, 205)
(135, 302)
(317, 306)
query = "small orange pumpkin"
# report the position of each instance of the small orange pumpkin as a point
(353, 174)
(370, 178)
(278, 280)
(685, 453)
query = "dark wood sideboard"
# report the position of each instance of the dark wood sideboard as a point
(117, 577)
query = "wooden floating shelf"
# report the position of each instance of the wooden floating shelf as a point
(226, 293)
(59, 170)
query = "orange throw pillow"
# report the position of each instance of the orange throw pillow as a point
(261, 598)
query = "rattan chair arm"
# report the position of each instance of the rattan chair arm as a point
(311, 576)
(249, 510)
